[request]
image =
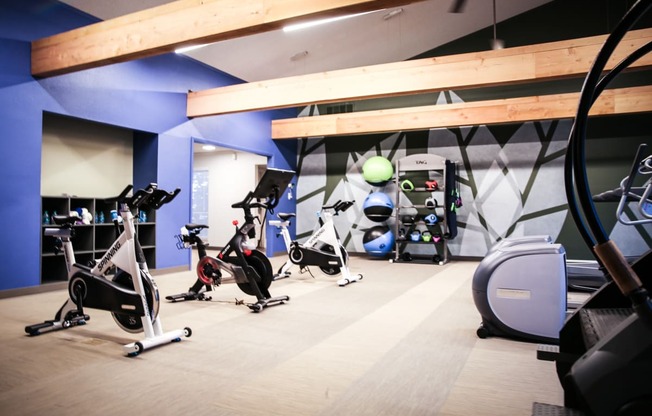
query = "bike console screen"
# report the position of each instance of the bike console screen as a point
(272, 185)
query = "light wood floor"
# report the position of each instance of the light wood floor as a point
(400, 342)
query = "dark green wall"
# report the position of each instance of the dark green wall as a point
(612, 141)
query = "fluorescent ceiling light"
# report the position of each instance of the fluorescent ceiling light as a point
(393, 13)
(299, 26)
(190, 48)
(208, 147)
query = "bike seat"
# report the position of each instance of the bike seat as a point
(286, 215)
(65, 219)
(192, 227)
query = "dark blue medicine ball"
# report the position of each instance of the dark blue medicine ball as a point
(378, 241)
(378, 207)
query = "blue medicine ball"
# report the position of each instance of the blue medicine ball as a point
(378, 241)
(377, 170)
(378, 207)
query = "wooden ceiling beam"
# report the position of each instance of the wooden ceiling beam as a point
(181, 23)
(512, 110)
(547, 61)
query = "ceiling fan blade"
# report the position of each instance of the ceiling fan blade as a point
(457, 6)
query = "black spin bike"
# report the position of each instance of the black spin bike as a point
(250, 268)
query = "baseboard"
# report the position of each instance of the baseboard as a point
(31, 290)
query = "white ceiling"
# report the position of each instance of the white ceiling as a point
(362, 40)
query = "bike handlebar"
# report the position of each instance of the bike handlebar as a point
(160, 197)
(139, 197)
(247, 203)
(339, 206)
(150, 196)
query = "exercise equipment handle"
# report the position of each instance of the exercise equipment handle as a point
(331, 206)
(160, 197)
(272, 200)
(344, 205)
(626, 190)
(140, 196)
(339, 206)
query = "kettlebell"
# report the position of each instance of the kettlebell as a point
(407, 185)
(407, 219)
(431, 219)
(432, 185)
(431, 203)
(415, 236)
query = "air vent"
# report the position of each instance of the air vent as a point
(339, 108)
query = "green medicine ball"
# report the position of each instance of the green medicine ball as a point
(377, 170)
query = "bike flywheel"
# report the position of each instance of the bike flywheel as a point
(208, 270)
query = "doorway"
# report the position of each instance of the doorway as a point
(222, 177)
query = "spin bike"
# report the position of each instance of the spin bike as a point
(323, 248)
(250, 269)
(133, 302)
(188, 238)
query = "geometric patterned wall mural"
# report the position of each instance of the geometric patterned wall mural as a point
(510, 179)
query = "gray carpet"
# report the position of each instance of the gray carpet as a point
(400, 342)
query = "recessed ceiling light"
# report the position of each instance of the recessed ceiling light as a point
(298, 55)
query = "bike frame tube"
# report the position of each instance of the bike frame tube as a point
(122, 254)
(64, 234)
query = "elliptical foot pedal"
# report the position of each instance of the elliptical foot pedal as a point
(598, 323)
(543, 409)
(547, 352)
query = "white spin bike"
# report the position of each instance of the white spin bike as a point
(323, 248)
(131, 295)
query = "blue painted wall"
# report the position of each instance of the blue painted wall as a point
(147, 95)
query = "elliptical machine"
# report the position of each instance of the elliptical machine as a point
(133, 302)
(322, 249)
(250, 269)
(604, 357)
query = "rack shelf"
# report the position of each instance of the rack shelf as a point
(412, 208)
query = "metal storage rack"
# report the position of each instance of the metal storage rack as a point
(418, 169)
